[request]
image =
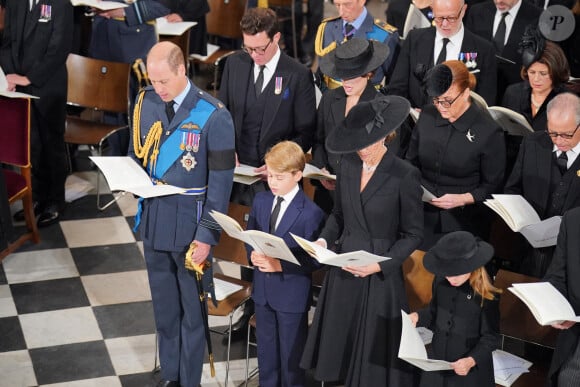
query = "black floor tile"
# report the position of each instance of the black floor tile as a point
(11, 335)
(86, 208)
(64, 363)
(2, 275)
(220, 345)
(131, 221)
(44, 296)
(147, 379)
(108, 259)
(121, 320)
(51, 237)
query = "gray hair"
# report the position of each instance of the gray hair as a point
(565, 102)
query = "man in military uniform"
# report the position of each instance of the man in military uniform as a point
(355, 20)
(183, 137)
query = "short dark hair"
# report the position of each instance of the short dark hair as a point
(259, 19)
(555, 59)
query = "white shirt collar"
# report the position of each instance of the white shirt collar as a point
(179, 99)
(453, 47)
(269, 68)
(572, 153)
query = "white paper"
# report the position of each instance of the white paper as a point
(508, 367)
(312, 172)
(244, 174)
(211, 49)
(328, 257)
(545, 302)
(414, 113)
(543, 234)
(427, 196)
(223, 289)
(414, 19)
(412, 349)
(76, 188)
(98, 4)
(124, 174)
(10, 94)
(175, 29)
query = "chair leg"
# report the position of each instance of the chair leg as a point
(248, 355)
(155, 364)
(229, 347)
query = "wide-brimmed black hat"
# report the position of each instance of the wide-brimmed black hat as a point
(354, 58)
(368, 122)
(438, 80)
(457, 253)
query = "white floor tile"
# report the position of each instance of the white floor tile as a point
(16, 369)
(39, 266)
(236, 376)
(128, 204)
(7, 307)
(130, 355)
(60, 327)
(117, 288)
(97, 232)
(109, 381)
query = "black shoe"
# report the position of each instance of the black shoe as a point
(19, 215)
(167, 383)
(50, 215)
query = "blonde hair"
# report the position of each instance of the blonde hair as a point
(481, 284)
(286, 156)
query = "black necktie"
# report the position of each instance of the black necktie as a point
(169, 110)
(562, 162)
(348, 31)
(499, 37)
(260, 81)
(443, 53)
(275, 213)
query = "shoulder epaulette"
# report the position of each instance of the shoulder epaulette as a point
(211, 99)
(331, 18)
(385, 26)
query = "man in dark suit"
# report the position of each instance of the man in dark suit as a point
(563, 273)
(425, 47)
(37, 40)
(277, 105)
(194, 136)
(485, 20)
(542, 176)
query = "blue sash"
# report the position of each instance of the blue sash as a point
(377, 34)
(170, 150)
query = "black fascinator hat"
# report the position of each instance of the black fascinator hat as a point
(438, 80)
(531, 45)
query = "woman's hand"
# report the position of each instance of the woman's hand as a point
(449, 201)
(265, 263)
(414, 318)
(328, 184)
(564, 325)
(462, 366)
(363, 271)
(263, 171)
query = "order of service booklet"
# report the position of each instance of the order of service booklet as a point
(545, 302)
(312, 172)
(244, 174)
(268, 244)
(328, 257)
(521, 217)
(98, 4)
(124, 174)
(412, 349)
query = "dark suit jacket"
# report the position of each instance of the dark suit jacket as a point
(416, 57)
(192, 10)
(480, 22)
(289, 115)
(288, 291)
(531, 174)
(563, 273)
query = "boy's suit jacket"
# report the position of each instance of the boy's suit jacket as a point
(288, 291)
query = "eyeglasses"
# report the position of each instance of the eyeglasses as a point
(449, 19)
(445, 103)
(257, 50)
(565, 136)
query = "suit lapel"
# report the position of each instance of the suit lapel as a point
(354, 170)
(242, 82)
(574, 188)
(291, 214)
(379, 178)
(544, 167)
(425, 49)
(273, 101)
(31, 18)
(337, 108)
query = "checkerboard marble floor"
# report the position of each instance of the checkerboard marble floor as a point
(75, 310)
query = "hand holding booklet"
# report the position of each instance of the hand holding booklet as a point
(545, 302)
(412, 349)
(521, 217)
(244, 174)
(268, 244)
(10, 94)
(312, 172)
(328, 257)
(98, 4)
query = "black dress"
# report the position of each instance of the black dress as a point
(356, 331)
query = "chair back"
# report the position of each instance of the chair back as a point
(516, 320)
(224, 18)
(418, 281)
(98, 84)
(15, 131)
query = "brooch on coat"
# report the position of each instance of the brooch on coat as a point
(470, 137)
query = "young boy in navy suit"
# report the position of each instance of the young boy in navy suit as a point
(281, 290)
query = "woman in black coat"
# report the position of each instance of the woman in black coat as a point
(356, 331)
(460, 152)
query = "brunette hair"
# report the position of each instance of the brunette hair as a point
(259, 19)
(555, 59)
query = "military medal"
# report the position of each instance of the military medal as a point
(473, 57)
(468, 62)
(188, 161)
(278, 86)
(190, 136)
(45, 13)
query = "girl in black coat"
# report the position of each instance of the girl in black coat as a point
(463, 313)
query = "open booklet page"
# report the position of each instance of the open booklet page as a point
(545, 302)
(412, 349)
(174, 29)
(244, 174)
(312, 172)
(98, 4)
(268, 244)
(124, 174)
(10, 94)
(224, 289)
(328, 257)
(415, 19)
(508, 367)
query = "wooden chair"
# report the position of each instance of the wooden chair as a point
(418, 281)
(99, 86)
(231, 250)
(182, 41)
(223, 20)
(15, 151)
